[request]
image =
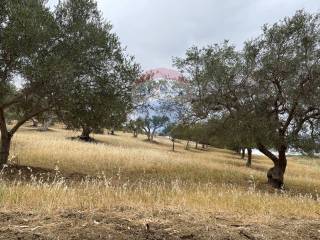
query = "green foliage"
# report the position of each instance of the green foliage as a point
(135, 126)
(28, 46)
(286, 73)
(152, 124)
(269, 92)
(100, 84)
(265, 96)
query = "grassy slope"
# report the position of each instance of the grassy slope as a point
(149, 177)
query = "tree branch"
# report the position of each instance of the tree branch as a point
(11, 102)
(26, 118)
(269, 154)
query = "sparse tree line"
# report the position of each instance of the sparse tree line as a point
(67, 65)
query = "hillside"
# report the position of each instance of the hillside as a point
(126, 188)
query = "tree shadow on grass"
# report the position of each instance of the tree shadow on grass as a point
(26, 174)
(91, 140)
(34, 129)
(154, 142)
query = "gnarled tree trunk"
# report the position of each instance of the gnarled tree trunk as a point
(276, 173)
(85, 135)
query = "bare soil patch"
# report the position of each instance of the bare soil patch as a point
(127, 224)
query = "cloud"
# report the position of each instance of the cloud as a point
(156, 30)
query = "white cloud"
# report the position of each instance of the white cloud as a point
(156, 30)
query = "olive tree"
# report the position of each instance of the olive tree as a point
(29, 65)
(152, 124)
(270, 89)
(286, 84)
(102, 74)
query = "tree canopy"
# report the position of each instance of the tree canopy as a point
(269, 90)
(102, 75)
(67, 62)
(28, 55)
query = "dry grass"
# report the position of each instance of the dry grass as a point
(136, 174)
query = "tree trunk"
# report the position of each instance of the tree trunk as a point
(196, 145)
(276, 174)
(243, 153)
(237, 150)
(249, 160)
(173, 145)
(34, 123)
(46, 124)
(187, 146)
(153, 133)
(149, 136)
(135, 133)
(5, 148)
(5, 140)
(85, 135)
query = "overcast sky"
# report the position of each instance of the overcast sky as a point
(154, 31)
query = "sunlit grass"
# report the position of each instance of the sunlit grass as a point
(138, 174)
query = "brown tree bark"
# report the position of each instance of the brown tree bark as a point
(276, 173)
(5, 148)
(5, 140)
(85, 135)
(249, 159)
(6, 135)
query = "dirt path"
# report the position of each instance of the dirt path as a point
(123, 224)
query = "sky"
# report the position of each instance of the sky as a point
(155, 31)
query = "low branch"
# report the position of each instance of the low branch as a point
(11, 102)
(269, 154)
(26, 118)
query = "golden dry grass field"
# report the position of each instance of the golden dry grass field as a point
(149, 185)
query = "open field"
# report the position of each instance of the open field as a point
(127, 188)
